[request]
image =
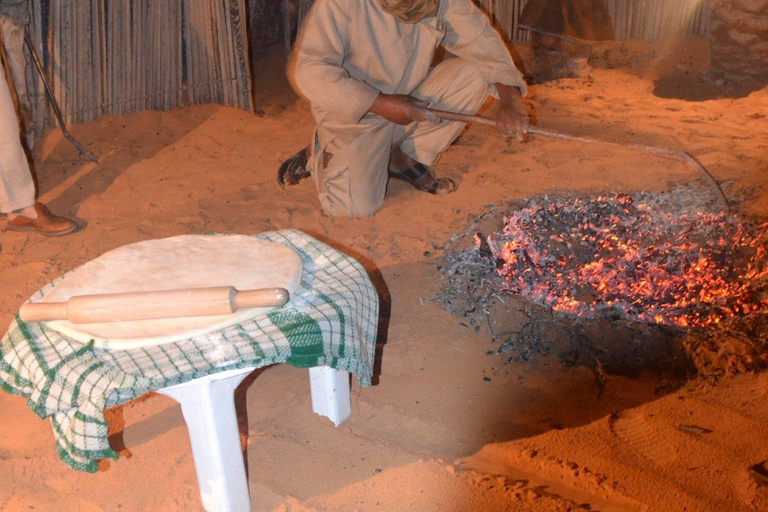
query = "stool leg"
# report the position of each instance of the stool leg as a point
(330, 393)
(208, 406)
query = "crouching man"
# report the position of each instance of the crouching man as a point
(365, 67)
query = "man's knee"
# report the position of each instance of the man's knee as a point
(351, 175)
(341, 195)
(471, 75)
(364, 210)
(465, 74)
(461, 84)
(350, 210)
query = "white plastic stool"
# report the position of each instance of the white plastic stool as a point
(208, 406)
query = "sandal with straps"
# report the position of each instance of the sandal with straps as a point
(294, 169)
(421, 177)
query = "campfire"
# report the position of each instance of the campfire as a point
(620, 257)
(622, 283)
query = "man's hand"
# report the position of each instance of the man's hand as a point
(402, 109)
(512, 117)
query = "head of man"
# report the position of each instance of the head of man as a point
(410, 11)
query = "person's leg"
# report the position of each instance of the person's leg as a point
(349, 165)
(454, 85)
(13, 40)
(17, 189)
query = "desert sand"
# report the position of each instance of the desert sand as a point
(446, 427)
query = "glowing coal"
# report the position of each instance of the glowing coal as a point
(634, 260)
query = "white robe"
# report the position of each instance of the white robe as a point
(17, 189)
(350, 51)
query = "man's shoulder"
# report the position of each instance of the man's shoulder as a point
(448, 5)
(461, 12)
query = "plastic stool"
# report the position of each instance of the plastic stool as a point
(208, 406)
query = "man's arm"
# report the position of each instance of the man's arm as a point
(322, 79)
(470, 36)
(319, 74)
(402, 109)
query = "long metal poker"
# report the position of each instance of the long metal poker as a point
(682, 156)
(52, 99)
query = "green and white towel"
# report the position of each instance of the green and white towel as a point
(331, 320)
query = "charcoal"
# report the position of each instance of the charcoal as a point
(623, 256)
(622, 284)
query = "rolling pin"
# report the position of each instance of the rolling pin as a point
(120, 307)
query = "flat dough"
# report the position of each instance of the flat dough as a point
(187, 261)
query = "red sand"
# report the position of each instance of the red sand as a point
(433, 434)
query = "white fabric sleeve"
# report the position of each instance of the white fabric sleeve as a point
(469, 35)
(319, 74)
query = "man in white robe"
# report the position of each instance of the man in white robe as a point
(366, 67)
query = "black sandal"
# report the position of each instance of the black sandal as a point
(293, 170)
(421, 177)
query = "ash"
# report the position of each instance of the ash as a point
(621, 284)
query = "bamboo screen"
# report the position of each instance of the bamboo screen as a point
(632, 19)
(110, 57)
(505, 15)
(652, 19)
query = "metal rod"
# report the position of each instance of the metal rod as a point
(682, 156)
(52, 99)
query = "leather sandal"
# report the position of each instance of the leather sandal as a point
(294, 169)
(421, 177)
(45, 223)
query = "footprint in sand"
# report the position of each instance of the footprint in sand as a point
(643, 437)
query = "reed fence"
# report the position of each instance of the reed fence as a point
(111, 57)
(632, 19)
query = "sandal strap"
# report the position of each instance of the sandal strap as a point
(448, 183)
(415, 175)
(412, 174)
(294, 169)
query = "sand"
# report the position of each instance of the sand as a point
(446, 427)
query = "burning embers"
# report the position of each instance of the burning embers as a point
(617, 257)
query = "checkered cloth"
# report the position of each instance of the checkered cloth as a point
(331, 320)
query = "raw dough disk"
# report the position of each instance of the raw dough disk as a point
(187, 261)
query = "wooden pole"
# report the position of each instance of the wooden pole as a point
(191, 69)
(109, 74)
(55, 50)
(158, 50)
(75, 65)
(211, 56)
(221, 47)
